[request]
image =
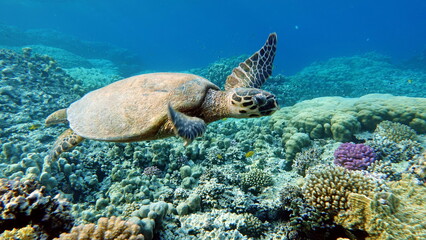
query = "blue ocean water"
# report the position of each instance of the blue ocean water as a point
(177, 35)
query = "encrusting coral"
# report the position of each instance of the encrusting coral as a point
(106, 229)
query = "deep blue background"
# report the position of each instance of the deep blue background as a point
(176, 35)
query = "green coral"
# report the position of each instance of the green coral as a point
(255, 180)
(394, 131)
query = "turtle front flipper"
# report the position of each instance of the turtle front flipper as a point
(254, 71)
(66, 141)
(185, 126)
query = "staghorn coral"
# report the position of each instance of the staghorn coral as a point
(354, 156)
(398, 214)
(395, 131)
(327, 187)
(23, 203)
(255, 180)
(107, 228)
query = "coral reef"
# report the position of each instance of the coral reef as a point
(25, 233)
(107, 228)
(125, 60)
(327, 188)
(394, 131)
(218, 71)
(340, 118)
(251, 226)
(354, 156)
(306, 159)
(232, 183)
(354, 76)
(255, 180)
(24, 203)
(149, 217)
(398, 214)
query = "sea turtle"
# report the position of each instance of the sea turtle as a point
(158, 105)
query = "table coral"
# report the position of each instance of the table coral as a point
(354, 156)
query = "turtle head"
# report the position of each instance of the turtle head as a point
(251, 102)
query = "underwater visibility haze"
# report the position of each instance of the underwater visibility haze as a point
(212, 119)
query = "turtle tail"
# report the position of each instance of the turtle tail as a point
(57, 117)
(66, 141)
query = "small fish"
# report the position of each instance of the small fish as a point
(410, 81)
(249, 154)
(219, 156)
(34, 126)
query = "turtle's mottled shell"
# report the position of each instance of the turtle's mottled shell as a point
(135, 108)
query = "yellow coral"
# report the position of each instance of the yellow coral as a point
(25, 233)
(327, 187)
(107, 228)
(396, 215)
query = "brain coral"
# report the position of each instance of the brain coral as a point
(354, 156)
(327, 187)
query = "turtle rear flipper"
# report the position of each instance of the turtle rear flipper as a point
(66, 141)
(57, 117)
(185, 126)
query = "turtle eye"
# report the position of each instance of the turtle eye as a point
(259, 99)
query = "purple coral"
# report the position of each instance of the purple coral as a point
(354, 156)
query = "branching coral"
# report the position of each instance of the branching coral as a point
(106, 229)
(250, 226)
(327, 188)
(398, 214)
(395, 131)
(255, 180)
(305, 159)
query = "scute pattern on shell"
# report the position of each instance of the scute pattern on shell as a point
(135, 108)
